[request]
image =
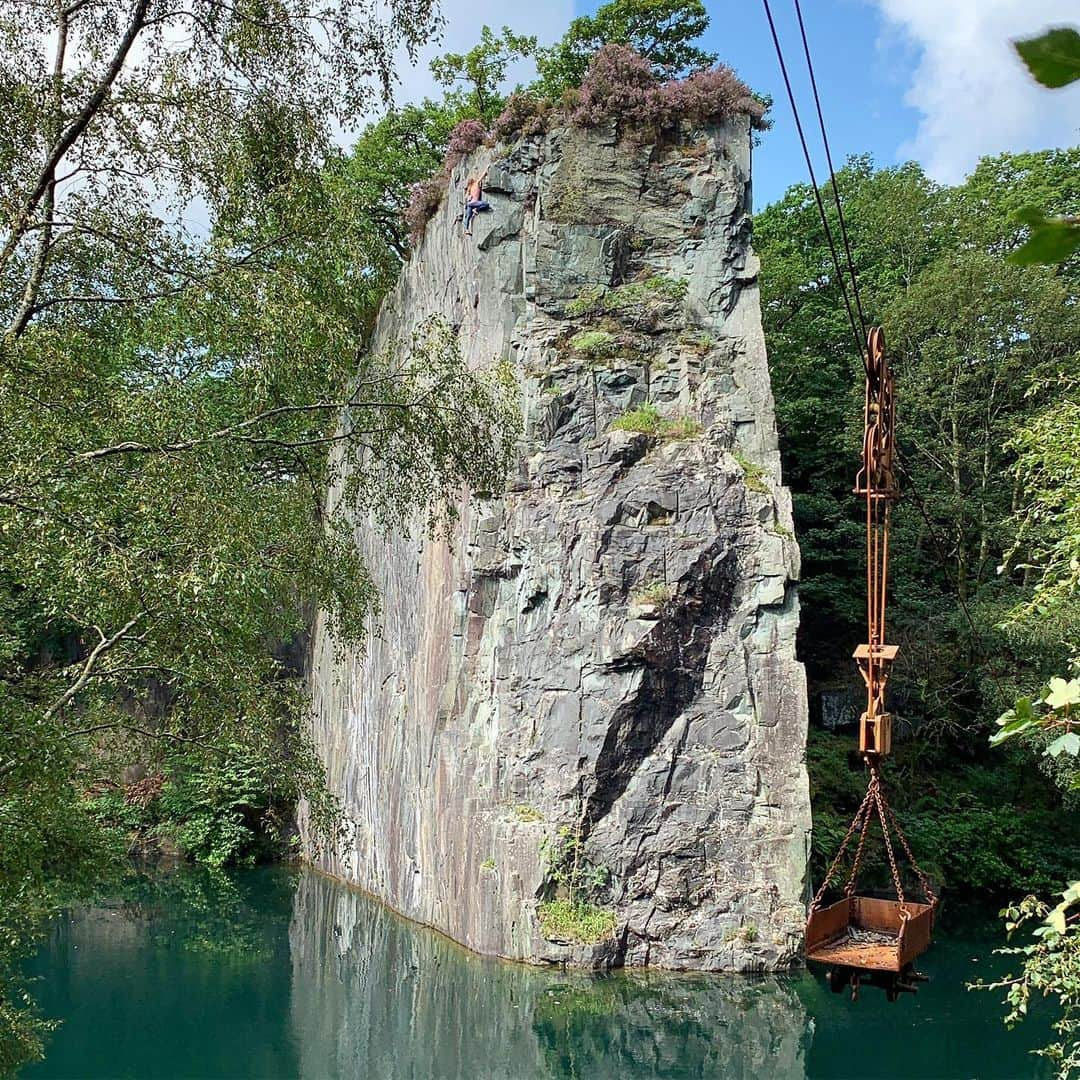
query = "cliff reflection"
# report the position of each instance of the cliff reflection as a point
(375, 996)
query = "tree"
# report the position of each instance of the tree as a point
(392, 155)
(979, 348)
(1053, 58)
(663, 31)
(482, 70)
(175, 401)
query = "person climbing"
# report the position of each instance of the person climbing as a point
(475, 202)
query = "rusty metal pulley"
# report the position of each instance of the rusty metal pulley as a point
(863, 937)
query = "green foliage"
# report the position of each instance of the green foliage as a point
(979, 349)
(643, 303)
(748, 933)
(1047, 526)
(174, 404)
(213, 809)
(1053, 716)
(663, 31)
(1051, 240)
(1050, 968)
(596, 344)
(646, 420)
(51, 852)
(527, 814)
(658, 593)
(754, 476)
(561, 920)
(1053, 58)
(483, 69)
(987, 828)
(391, 156)
(569, 869)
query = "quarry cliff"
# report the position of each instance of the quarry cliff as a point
(585, 698)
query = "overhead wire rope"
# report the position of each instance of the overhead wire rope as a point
(852, 274)
(840, 275)
(832, 172)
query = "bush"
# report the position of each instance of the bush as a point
(223, 811)
(524, 115)
(620, 84)
(467, 136)
(716, 94)
(561, 920)
(424, 200)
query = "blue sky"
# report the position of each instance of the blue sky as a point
(861, 95)
(933, 80)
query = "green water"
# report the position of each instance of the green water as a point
(269, 973)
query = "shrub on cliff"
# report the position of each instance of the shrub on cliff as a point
(466, 137)
(620, 85)
(525, 114)
(424, 199)
(713, 94)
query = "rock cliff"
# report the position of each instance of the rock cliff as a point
(591, 687)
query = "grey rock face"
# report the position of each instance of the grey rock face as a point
(599, 664)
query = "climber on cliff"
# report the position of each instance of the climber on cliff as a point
(474, 200)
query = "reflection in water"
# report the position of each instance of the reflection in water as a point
(197, 974)
(184, 975)
(376, 996)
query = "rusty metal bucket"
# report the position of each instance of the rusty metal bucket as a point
(868, 934)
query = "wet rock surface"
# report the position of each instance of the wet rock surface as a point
(601, 661)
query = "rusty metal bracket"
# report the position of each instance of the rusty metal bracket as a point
(876, 484)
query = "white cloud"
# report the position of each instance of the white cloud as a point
(974, 95)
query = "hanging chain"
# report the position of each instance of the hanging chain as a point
(879, 802)
(874, 801)
(924, 881)
(864, 808)
(849, 889)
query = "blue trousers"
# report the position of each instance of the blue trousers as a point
(475, 206)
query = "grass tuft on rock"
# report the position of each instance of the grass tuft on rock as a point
(596, 344)
(658, 593)
(646, 420)
(562, 920)
(753, 475)
(646, 301)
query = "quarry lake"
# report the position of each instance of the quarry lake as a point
(276, 973)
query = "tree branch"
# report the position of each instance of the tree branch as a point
(74, 131)
(96, 653)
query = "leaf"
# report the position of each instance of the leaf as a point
(1052, 240)
(1052, 58)
(1062, 694)
(1069, 743)
(1011, 725)
(1056, 919)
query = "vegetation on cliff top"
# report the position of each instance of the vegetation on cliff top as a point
(633, 63)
